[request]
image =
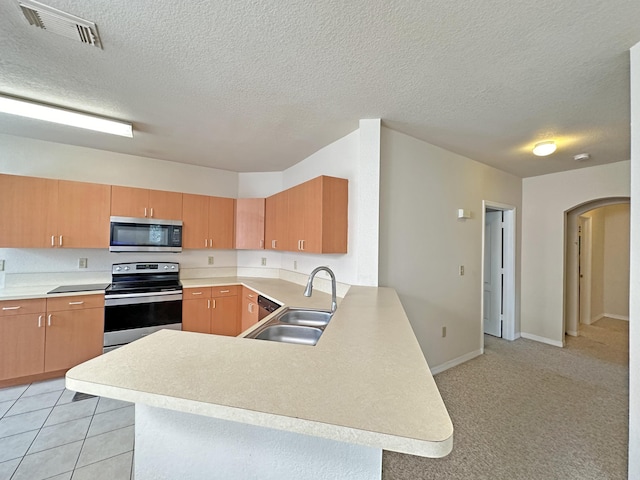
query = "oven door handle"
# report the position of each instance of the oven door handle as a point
(135, 299)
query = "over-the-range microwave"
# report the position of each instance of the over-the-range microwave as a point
(145, 235)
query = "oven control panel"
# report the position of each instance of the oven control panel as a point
(121, 268)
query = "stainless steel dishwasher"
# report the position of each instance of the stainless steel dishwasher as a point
(266, 307)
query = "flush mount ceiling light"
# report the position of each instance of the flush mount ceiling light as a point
(542, 149)
(26, 108)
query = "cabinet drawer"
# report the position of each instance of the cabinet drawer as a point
(20, 307)
(226, 291)
(75, 302)
(250, 295)
(192, 293)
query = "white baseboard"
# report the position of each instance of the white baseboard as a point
(616, 317)
(546, 340)
(455, 362)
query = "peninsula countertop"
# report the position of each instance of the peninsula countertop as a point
(366, 381)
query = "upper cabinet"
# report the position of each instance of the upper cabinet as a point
(276, 222)
(40, 213)
(143, 203)
(249, 223)
(318, 216)
(83, 215)
(208, 222)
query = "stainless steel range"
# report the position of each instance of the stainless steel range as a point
(142, 298)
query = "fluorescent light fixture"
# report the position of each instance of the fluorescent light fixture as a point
(26, 108)
(543, 149)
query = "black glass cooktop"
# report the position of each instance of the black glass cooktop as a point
(80, 288)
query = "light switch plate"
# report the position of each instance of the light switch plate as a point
(461, 270)
(210, 260)
(82, 263)
(295, 264)
(1, 265)
(264, 261)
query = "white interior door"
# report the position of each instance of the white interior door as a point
(493, 271)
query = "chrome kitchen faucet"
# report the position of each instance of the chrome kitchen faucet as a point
(309, 289)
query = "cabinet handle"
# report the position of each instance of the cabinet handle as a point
(211, 243)
(39, 321)
(49, 320)
(60, 240)
(209, 304)
(11, 308)
(250, 296)
(205, 243)
(214, 303)
(196, 293)
(151, 216)
(273, 243)
(224, 291)
(145, 212)
(302, 243)
(76, 303)
(53, 240)
(251, 308)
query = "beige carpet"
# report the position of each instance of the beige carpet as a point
(525, 410)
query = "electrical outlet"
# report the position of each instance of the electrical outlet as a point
(210, 260)
(82, 263)
(444, 332)
(264, 261)
(295, 264)
(1, 265)
(461, 270)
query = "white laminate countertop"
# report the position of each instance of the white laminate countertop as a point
(366, 382)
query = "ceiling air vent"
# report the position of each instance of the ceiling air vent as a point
(56, 21)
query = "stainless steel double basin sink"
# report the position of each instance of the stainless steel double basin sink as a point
(294, 325)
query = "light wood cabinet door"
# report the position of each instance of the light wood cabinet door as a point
(196, 315)
(26, 213)
(250, 223)
(83, 215)
(195, 221)
(221, 222)
(129, 202)
(165, 205)
(249, 315)
(224, 319)
(72, 337)
(22, 340)
(276, 236)
(318, 211)
(296, 217)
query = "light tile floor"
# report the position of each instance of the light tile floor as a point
(44, 434)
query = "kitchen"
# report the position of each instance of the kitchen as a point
(335, 213)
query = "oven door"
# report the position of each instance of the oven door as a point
(128, 317)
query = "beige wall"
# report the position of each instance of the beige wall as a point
(422, 243)
(546, 199)
(616, 261)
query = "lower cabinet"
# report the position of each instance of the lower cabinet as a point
(211, 310)
(249, 315)
(47, 335)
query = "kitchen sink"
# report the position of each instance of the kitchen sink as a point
(305, 317)
(290, 334)
(294, 325)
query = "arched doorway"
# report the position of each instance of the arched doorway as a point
(572, 258)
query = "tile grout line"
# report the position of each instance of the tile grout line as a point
(75, 465)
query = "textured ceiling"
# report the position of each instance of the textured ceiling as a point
(259, 85)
